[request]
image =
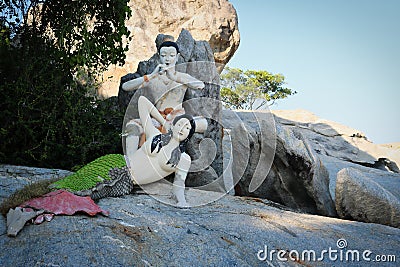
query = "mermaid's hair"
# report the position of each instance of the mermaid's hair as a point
(163, 140)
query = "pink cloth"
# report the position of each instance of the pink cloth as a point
(64, 202)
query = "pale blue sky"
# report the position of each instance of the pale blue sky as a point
(342, 57)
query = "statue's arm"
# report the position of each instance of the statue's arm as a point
(133, 84)
(141, 81)
(186, 79)
(181, 172)
(137, 83)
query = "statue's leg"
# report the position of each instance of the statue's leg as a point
(142, 139)
(132, 144)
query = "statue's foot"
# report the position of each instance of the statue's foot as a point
(133, 128)
(183, 205)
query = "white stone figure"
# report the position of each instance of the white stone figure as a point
(167, 87)
(162, 154)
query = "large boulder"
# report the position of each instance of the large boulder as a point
(339, 146)
(234, 231)
(309, 153)
(372, 196)
(290, 172)
(214, 21)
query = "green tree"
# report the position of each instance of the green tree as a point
(49, 117)
(252, 89)
(84, 33)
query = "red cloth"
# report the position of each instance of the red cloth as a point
(66, 203)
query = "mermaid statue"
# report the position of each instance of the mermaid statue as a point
(161, 155)
(154, 144)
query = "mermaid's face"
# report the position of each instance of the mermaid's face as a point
(181, 129)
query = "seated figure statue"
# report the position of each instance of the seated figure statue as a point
(167, 87)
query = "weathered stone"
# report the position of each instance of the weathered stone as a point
(368, 196)
(339, 146)
(292, 174)
(214, 21)
(333, 166)
(141, 231)
(186, 45)
(228, 161)
(339, 141)
(24, 176)
(309, 154)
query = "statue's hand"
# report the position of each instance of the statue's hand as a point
(160, 69)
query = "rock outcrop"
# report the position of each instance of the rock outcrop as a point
(371, 196)
(22, 176)
(311, 159)
(214, 21)
(339, 141)
(234, 231)
(291, 172)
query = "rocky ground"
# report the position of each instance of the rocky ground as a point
(141, 231)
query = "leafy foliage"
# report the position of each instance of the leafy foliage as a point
(87, 33)
(252, 89)
(50, 117)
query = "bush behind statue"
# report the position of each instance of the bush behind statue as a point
(48, 118)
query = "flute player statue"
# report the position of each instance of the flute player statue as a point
(167, 87)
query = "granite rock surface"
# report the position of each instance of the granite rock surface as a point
(232, 231)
